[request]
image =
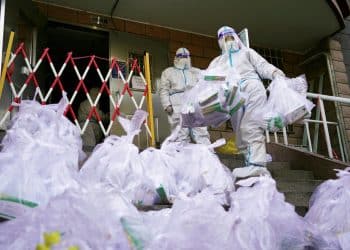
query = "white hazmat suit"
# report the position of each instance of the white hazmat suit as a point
(252, 68)
(174, 82)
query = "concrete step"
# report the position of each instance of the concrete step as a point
(233, 156)
(273, 166)
(298, 199)
(301, 210)
(298, 185)
(293, 175)
(232, 163)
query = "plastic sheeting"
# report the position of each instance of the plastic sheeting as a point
(40, 155)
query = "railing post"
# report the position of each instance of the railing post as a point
(267, 135)
(317, 126)
(325, 128)
(308, 135)
(285, 138)
(276, 137)
(340, 144)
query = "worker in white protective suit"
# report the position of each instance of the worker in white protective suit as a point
(93, 133)
(174, 82)
(251, 68)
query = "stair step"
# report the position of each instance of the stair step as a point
(232, 163)
(294, 175)
(233, 156)
(284, 164)
(273, 166)
(298, 199)
(298, 185)
(301, 210)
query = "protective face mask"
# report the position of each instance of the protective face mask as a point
(231, 46)
(183, 63)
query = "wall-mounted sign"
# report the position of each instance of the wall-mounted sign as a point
(136, 82)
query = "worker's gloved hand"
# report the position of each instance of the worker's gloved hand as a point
(278, 73)
(275, 124)
(169, 110)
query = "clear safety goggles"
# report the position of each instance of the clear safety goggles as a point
(182, 55)
(226, 34)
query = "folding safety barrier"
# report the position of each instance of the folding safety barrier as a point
(70, 61)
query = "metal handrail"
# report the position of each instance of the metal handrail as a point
(321, 113)
(320, 98)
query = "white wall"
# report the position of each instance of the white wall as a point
(120, 45)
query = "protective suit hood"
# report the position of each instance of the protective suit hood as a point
(228, 40)
(182, 59)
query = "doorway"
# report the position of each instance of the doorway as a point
(82, 42)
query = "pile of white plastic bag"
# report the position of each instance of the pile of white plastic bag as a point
(94, 218)
(198, 222)
(95, 208)
(330, 210)
(266, 221)
(116, 164)
(40, 156)
(259, 218)
(185, 169)
(84, 219)
(198, 169)
(155, 175)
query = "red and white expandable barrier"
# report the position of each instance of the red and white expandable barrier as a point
(81, 86)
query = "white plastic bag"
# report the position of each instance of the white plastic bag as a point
(199, 222)
(287, 103)
(187, 169)
(266, 220)
(330, 207)
(116, 164)
(88, 219)
(157, 164)
(40, 155)
(205, 168)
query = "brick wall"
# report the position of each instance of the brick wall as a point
(339, 48)
(202, 48)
